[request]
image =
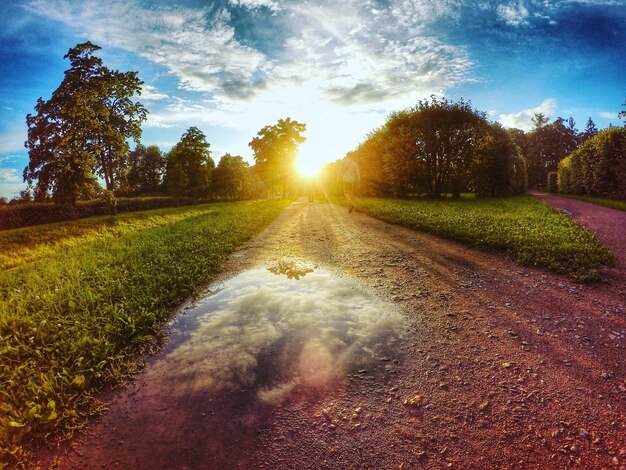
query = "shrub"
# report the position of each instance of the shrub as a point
(24, 215)
(597, 167)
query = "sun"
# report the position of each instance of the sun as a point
(309, 162)
(308, 168)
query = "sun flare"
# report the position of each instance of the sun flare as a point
(311, 158)
(308, 168)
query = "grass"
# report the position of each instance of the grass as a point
(73, 318)
(25, 245)
(532, 232)
(600, 201)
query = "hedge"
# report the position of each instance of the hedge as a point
(24, 215)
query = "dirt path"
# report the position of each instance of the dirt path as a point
(514, 368)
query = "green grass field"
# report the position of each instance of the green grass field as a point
(25, 245)
(84, 298)
(533, 233)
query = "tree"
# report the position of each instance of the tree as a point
(622, 114)
(497, 168)
(189, 166)
(590, 131)
(146, 168)
(376, 178)
(549, 143)
(441, 146)
(231, 177)
(83, 128)
(275, 151)
(440, 137)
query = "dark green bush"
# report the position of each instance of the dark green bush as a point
(597, 167)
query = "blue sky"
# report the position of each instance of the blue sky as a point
(230, 67)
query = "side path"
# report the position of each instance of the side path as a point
(609, 225)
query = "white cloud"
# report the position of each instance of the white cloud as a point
(513, 14)
(12, 140)
(353, 53)
(150, 93)
(9, 175)
(418, 14)
(337, 61)
(256, 4)
(199, 49)
(523, 119)
(608, 114)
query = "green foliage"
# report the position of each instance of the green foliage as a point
(231, 177)
(532, 232)
(74, 321)
(275, 151)
(146, 168)
(597, 167)
(497, 168)
(548, 144)
(440, 146)
(436, 138)
(189, 166)
(83, 129)
(590, 131)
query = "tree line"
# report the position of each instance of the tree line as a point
(443, 147)
(83, 132)
(440, 146)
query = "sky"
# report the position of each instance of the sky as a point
(231, 67)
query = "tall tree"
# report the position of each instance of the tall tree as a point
(590, 131)
(622, 113)
(83, 128)
(146, 168)
(441, 136)
(549, 143)
(189, 165)
(231, 176)
(275, 151)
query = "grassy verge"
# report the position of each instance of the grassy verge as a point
(25, 245)
(73, 322)
(600, 201)
(532, 232)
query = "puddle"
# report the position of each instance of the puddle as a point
(276, 329)
(269, 336)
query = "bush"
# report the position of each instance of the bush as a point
(551, 184)
(597, 167)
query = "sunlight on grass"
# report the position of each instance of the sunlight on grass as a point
(73, 321)
(24, 245)
(532, 232)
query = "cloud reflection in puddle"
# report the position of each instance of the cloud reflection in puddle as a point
(277, 333)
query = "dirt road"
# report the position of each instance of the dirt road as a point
(495, 366)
